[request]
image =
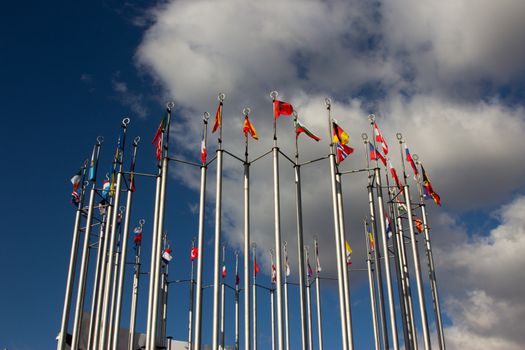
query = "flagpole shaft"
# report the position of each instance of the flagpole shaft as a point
(342, 238)
(246, 251)
(309, 309)
(278, 255)
(116, 264)
(272, 316)
(286, 320)
(254, 302)
(384, 241)
(79, 307)
(339, 262)
(192, 292)
(372, 290)
(237, 302)
(71, 270)
(200, 247)
(318, 298)
(223, 297)
(134, 299)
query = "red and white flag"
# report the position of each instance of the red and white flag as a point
(194, 254)
(203, 152)
(380, 138)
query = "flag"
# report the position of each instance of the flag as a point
(194, 253)
(395, 177)
(339, 135)
(105, 188)
(318, 263)
(299, 128)
(401, 207)
(343, 151)
(375, 155)
(248, 128)
(388, 227)
(419, 224)
(75, 198)
(274, 273)
(223, 270)
(203, 152)
(138, 235)
(411, 161)
(348, 253)
(428, 190)
(166, 256)
(218, 118)
(372, 242)
(380, 138)
(157, 139)
(280, 107)
(287, 267)
(256, 268)
(91, 170)
(310, 272)
(75, 180)
(236, 278)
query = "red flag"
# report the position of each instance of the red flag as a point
(157, 139)
(248, 128)
(375, 155)
(256, 268)
(380, 138)
(280, 107)
(343, 151)
(419, 224)
(218, 118)
(223, 271)
(411, 161)
(237, 279)
(395, 177)
(274, 274)
(194, 254)
(203, 152)
(428, 190)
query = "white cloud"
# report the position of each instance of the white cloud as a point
(134, 101)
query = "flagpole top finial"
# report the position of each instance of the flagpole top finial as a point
(274, 94)
(254, 245)
(142, 222)
(170, 105)
(316, 238)
(327, 101)
(294, 113)
(121, 209)
(399, 137)
(125, 121)
(415, 157)
(221, 96)
(246, 110)
(205, 116)
(364, 136)
(136, 141)
(100, 140)
(285, 243)
(372, 118)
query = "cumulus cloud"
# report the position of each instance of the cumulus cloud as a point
(130, 99)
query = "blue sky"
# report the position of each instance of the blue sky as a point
(450, 81)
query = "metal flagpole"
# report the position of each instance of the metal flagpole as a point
(237, 300)
(377, 250)
(125, 229)
(300, 247)
(384, 238)
(116, 264)
(112, 237)
(277, 213)
(254, 297)
(164, 292)
(217, 245)
(79, 307)
(417, 267)
(135, 293)
(72, 263)
(156, 250)
(192, 288)
(340, 267)
(372, 287)
(272, 300)
(308, 301)
(318, 296)
(200, 242)
(246, 251)
(223, 297)
(430, 264)
(286, 323)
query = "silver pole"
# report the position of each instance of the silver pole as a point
(79, 307)
(200, 244)
(217, 245)
(318, 297)
(72, 265)
(372, 288)
(430, 264)
(192, 288)
(254, 297)
(164, 291)
(135, 294)
(286, 321)
(415, 253)
(246, 251)
(340, 266)
(236, 301)
(115, 263)
(121, 273)
(223, 297)
(277, 214)
(155, 268)
(112, 237)
(300, 247)
(377, 251)
(309, 304)
(384, 238)
(272, 317)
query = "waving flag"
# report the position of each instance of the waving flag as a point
(166, 256)
(157, 139)
(343, 151)
(419, 224)
(236, 278)
(280, 107)
(318, 263)
(75, 198)
(287, 266)
(75, 180)
(388, 227)
(248, 128)
(380, 138)
(428, 191)
(194, 253)
(203, 152)
(310, 272)
(218, 118)
(375, 155)
(348, 249)
(105, 188)
(395, 177)
(223, 271)
(138, 235)
(411, 161)
(299, 128)
(274, 273)
(372, 242)
(339, 135)
(256, 268)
